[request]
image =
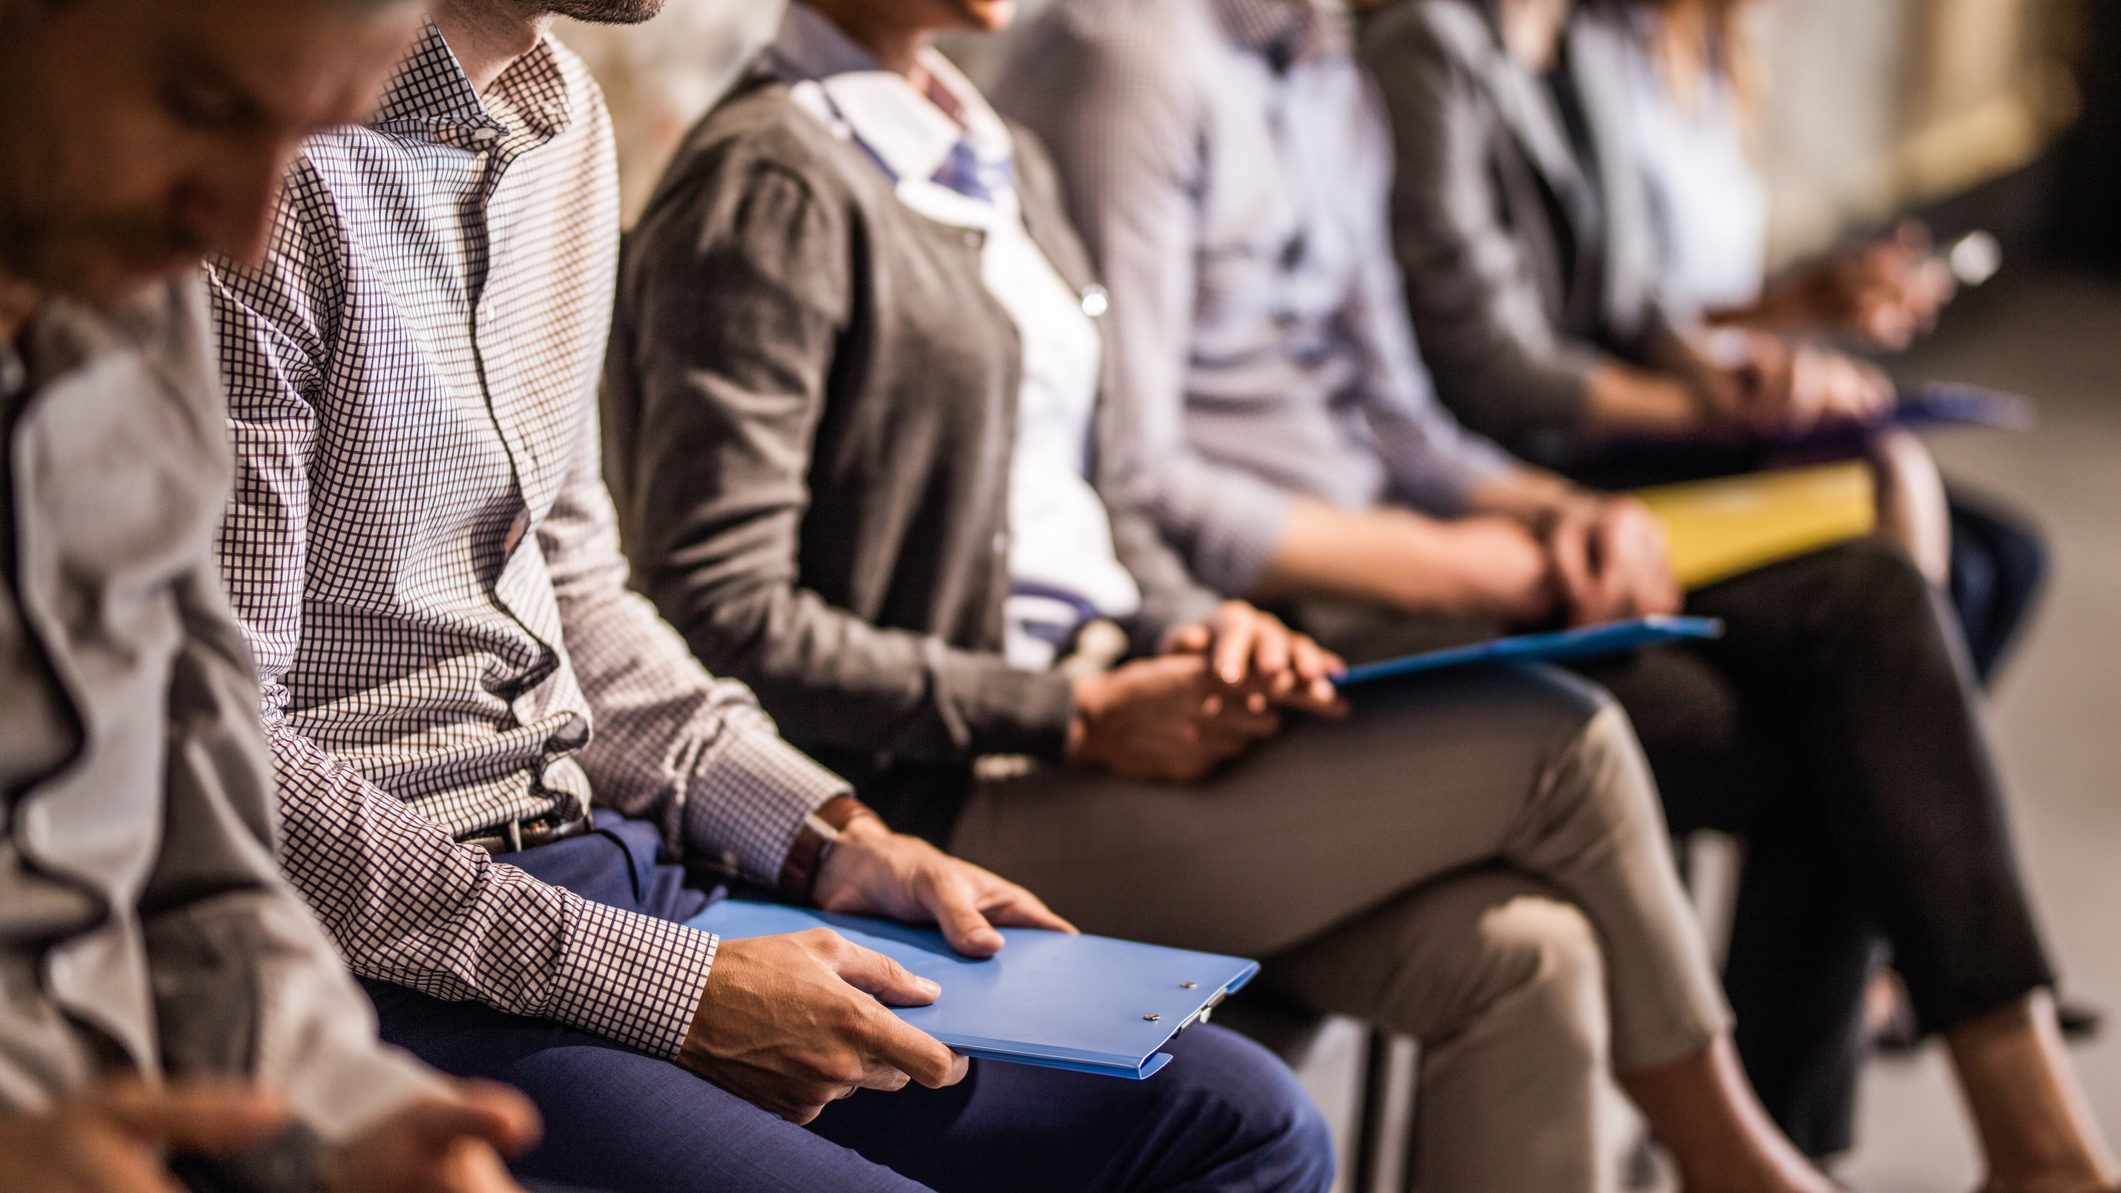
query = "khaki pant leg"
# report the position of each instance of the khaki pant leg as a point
(1503, 981)
(1336, 818)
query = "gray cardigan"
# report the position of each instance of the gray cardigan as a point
(810, 407)
(1523, 270)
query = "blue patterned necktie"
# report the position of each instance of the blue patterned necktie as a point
(965, 173)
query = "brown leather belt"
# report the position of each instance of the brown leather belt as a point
(518, 835)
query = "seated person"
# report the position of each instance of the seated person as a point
(494, 760)
(171, 1011)
(1539, 281)
(1692, 94)
(1230, 170)
(852, 403)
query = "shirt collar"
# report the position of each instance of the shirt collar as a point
(430, 90)
(907, 134)
(1285, 31)
(65, 335)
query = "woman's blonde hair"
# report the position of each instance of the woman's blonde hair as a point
(1693, 41)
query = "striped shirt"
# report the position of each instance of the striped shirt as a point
(1229, 167)
(422, 550)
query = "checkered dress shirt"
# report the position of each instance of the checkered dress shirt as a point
(422, 550)
(1229, 167)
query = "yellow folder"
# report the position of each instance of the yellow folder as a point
(1721, 528)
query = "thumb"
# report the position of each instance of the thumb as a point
(885, 980)
(1188, 639)
(210, 1117)
(949, 898)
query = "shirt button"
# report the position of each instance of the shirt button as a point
(572, 734)
(1096, 301)
(485, 138)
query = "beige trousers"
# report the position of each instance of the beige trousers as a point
(1477, 860)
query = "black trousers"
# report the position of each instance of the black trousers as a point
(1836, 730)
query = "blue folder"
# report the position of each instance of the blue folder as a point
(1936, 405)
(1557, 647)
(1087, 1004)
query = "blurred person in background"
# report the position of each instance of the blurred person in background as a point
(1693, 90)
(1232, 175)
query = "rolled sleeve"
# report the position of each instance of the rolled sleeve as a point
(1232, 550)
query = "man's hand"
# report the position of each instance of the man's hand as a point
(875, 871)
(1608, 557)
(112, 1140)
(792, 1023)
(449, 1143)
(1251, 649)
(1166, 719)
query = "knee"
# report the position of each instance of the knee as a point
(1551, 970)
(1244, 1105)
(1881, 578)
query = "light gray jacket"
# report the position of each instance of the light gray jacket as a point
(1523, 268)
(144, 926)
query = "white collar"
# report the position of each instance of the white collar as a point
(907, 132)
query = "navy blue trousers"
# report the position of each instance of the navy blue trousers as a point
(1225, 1115)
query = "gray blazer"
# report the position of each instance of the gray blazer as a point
(810, 416)
(144, 925)
(1523, 268)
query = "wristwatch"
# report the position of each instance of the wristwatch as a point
(814, 840)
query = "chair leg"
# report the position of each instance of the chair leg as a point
(1371, 1112)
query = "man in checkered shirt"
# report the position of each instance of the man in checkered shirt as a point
(422, 550)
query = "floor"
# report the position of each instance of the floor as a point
(2055, 336)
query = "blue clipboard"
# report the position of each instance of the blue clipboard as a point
(1558, 647)
(1087, 1004)
(1937, 405)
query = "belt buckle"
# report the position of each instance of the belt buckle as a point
(512, 832)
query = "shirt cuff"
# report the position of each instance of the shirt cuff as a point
(630, 977)
(746, 799)
(1020, 712)
(362, 1089)
(1235, 548)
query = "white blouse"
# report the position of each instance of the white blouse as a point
(1063, 568)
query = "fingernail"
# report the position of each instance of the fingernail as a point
(930, 988)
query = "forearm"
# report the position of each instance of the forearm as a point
(1622, 400)
(408, 904)
(1383, 556)
(862, 686)
(1531, 496)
